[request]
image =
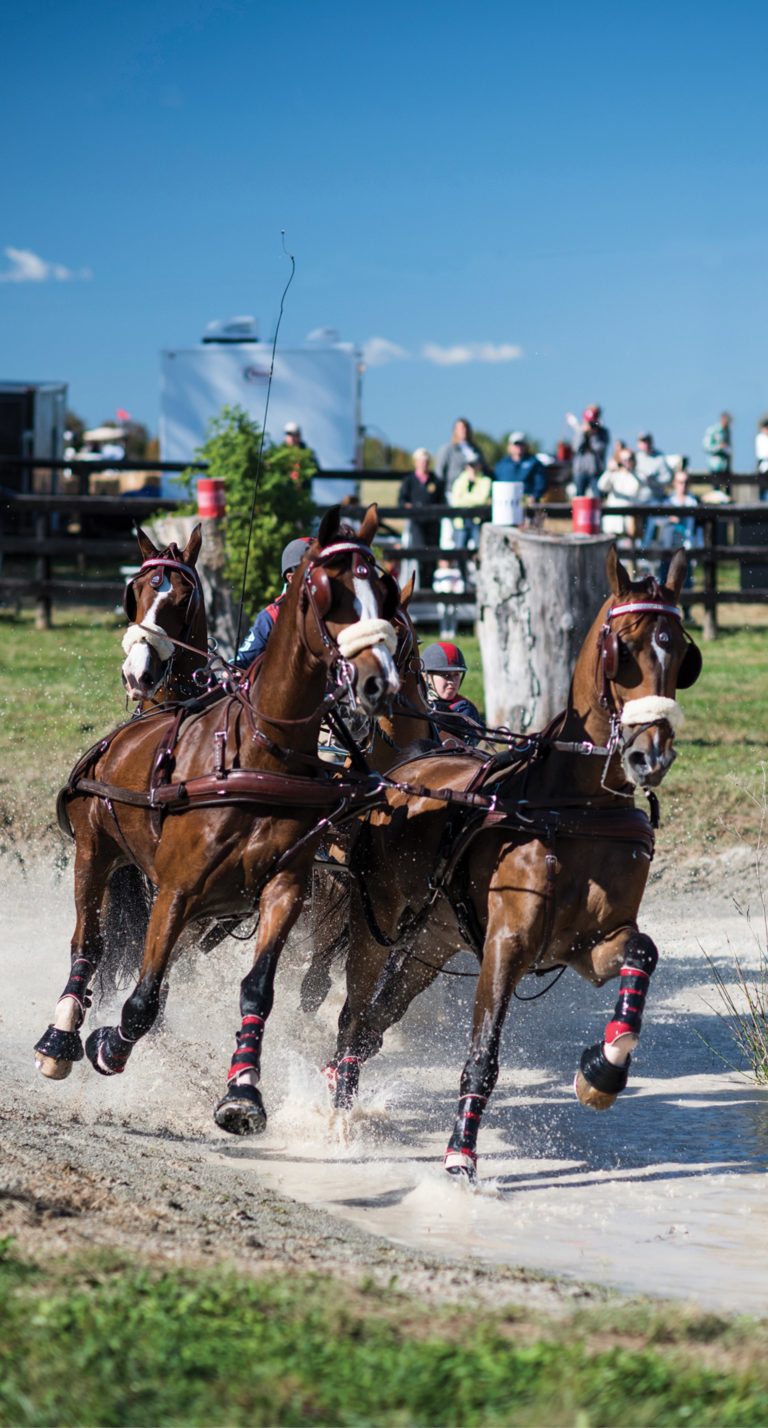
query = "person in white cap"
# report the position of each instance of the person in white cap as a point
(520, 464)
(293, 439)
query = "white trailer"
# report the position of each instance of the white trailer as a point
(317, 385)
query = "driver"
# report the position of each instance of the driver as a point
(445, 667)
(255, 641)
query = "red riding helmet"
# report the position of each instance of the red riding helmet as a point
(443, 658)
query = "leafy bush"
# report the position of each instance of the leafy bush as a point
(283, 506)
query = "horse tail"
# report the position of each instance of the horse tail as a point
(124, 920)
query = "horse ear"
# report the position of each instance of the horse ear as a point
(678, 569)
(146, 546)
(618, 579)
(407, 590)
(192, 548)
(329, 526)
(369, 525)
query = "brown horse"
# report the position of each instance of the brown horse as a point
(546, 869)
(166, 642)
(240, 826)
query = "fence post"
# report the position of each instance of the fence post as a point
(43, 574)
(709, 626)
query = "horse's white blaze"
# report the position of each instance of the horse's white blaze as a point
(139, 639)
(367, 609)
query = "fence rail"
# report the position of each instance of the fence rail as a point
(32, 528)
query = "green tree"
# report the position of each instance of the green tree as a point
(283, 508)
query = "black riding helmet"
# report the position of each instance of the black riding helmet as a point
(442, 657)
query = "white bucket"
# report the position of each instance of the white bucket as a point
(507, 503)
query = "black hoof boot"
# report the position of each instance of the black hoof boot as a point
(56, 1051)
(598, 1082)
(347, 1082)
(241, 1112)
(108, 1051)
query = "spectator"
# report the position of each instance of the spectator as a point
(761, 447)
(292, 438)
(619, 486)
(653, 470)
(471, 488)
(419, 490)
(451, 458)
(675, 531)
(590, 450)
(520, 464)
(718, 446)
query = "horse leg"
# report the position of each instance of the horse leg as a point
(109, 1047)
(605, 1066)
(505, 960)
(60, 1046)
(242, 1111)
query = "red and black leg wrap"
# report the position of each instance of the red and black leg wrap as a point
(247, 1056)
(640, 958)
(77, 987)
(467, 1125)
(346, 1082)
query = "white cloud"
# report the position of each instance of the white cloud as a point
(28, 267)
(377, 351)
(470, 352)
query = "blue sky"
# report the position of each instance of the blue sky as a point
(525, 208)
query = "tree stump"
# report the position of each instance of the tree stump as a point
(220, 608)
(537, 597)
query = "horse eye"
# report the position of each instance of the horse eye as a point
(156, 580)
(663, 637)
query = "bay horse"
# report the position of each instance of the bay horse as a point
(238, 826)
(535, 865)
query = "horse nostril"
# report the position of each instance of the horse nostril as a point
(373, 688)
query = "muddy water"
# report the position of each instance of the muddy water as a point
(665, 1194)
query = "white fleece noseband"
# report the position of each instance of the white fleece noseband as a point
(651, 710)
(363, 635)
(148, 634)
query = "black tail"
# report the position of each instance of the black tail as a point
(124, 919)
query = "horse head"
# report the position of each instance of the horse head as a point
(164, 603)
(348, 603)
(644, 656)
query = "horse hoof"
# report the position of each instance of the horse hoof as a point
(52, 1068)
(590, 1096)
(56, 1052)
(241, 1112)
(460, 1165)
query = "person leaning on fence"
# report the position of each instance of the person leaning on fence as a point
(471, 488)
(452, 458)
(521, 465)
(445, 667)
(761, 449)
(619, 486)
(653, 469)
(257, 638)
(419, 490)
(673, 531)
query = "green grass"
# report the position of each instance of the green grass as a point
(60, 689)
(100, 1341)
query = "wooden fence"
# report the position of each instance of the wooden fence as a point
(89, 537)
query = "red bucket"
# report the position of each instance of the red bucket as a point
(586, 515)
(210, 497)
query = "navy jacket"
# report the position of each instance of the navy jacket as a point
(255, 641)
(530, 471)
(461, 709)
